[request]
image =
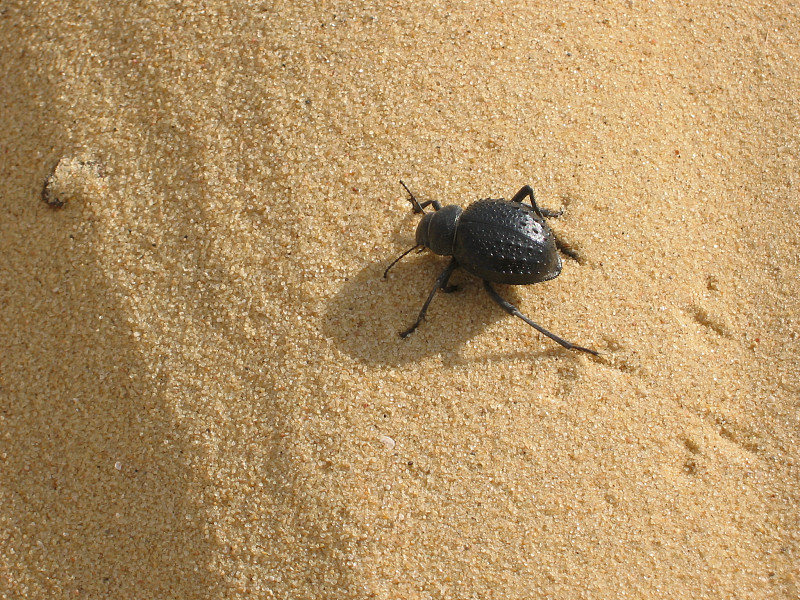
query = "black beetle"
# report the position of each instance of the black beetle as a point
(497, 240)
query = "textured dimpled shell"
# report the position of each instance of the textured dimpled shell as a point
(506, 242)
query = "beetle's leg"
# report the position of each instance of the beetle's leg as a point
(566, 250)
(546, 212)
(434, 203)
(449, 289)
(441, 283)
(527, 191)
(513, 310)
(446, 288)
(417, 206)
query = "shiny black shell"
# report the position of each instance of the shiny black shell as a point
(506, 242)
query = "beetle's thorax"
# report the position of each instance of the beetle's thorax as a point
(437, 230)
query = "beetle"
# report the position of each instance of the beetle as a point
(498, 240)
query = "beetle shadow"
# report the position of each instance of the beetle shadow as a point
(365, 317)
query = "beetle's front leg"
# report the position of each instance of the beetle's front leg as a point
(417, 207)
(526, 191)
(441, 283)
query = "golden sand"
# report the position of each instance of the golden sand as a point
(202, 390)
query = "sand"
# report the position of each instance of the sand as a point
(202, 389)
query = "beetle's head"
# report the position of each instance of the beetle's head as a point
(437, 230)
(422, 229)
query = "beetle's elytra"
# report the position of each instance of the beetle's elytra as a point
(499, 241)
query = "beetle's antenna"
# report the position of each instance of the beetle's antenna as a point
(397, 260)
(414, 202)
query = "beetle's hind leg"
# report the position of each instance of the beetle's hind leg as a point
(449, 289)
(441, 283)
(567, 250)
(513, 310)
